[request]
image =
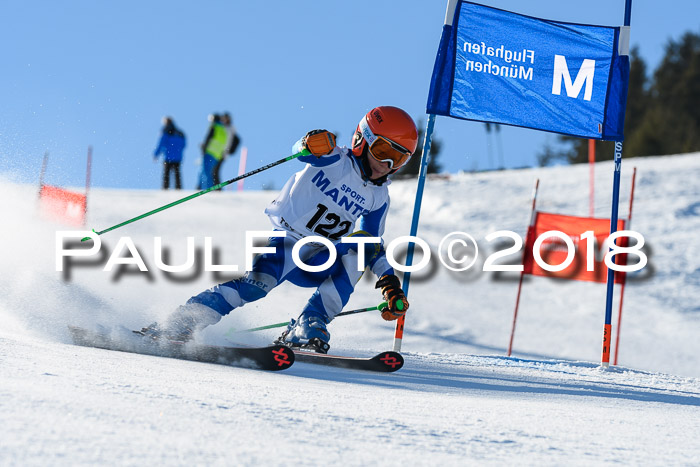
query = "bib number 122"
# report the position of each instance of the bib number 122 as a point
(324, 222)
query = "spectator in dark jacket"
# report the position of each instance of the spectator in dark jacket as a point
(171, 145)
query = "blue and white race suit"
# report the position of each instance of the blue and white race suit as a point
(324, 199)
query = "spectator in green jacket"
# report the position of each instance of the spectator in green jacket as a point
(231, 144)
(213, 149)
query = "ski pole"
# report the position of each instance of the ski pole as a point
(279, 325)
(304, 152)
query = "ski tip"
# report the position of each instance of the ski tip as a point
(283, 357)
(389, 361)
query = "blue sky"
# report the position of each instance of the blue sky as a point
(84, 73)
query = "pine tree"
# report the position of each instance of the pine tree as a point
(671, 124)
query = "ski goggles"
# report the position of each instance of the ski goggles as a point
(384, 149)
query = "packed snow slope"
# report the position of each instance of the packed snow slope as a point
(458, 398)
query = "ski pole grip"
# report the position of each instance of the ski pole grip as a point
(385, 305)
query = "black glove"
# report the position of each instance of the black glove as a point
(396, 301)
(319, 142)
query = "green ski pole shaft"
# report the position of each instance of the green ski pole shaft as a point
(279, 325)
(200, 193)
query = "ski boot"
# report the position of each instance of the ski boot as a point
(182, 324)
(308, 332)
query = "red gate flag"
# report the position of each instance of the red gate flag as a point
(554, 251)
(63, 205)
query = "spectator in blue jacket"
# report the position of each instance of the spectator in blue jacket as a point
(171, 145)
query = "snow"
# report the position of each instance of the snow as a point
(458, 399)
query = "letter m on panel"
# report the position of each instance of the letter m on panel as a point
(584, 76)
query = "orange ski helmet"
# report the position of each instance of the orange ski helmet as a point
(388, 134)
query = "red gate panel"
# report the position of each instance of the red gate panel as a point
(63, 205)
(553, 250)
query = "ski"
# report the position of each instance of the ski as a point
(270, 358)
(387, 362)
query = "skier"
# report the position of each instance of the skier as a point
(337, 187)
